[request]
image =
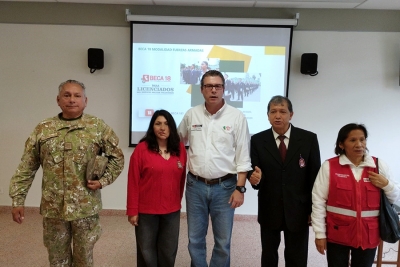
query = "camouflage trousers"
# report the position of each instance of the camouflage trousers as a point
(82, 233)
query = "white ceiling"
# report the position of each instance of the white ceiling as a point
(345, 4)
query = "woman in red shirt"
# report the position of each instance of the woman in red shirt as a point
(156, 180)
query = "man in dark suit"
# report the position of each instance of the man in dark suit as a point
(284, 197)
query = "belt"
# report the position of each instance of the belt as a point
(213, 181)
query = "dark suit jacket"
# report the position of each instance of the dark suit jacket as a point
(285, 187)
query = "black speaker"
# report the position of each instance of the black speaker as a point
(309, 62)
(95, 58)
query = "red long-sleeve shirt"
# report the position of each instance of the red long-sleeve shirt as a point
(155, 185)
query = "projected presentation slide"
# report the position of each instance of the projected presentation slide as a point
(167, 76)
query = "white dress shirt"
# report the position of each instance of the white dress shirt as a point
(286, 140)
(218, 144)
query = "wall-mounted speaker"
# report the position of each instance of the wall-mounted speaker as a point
(309, 62)
(95, 59)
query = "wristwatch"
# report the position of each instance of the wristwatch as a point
(241, 189)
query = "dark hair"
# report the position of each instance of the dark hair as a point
(344, 133)
(278, 99)
(212, 73)
(173, 140)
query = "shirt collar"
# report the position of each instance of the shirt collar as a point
(287, 134)
(367, 162)
(219, 111)
(73, 119)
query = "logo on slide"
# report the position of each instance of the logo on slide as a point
(148, 112)
(149, 78)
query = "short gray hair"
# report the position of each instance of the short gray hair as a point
(278, 99)
(60, 87)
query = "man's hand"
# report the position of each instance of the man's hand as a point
(255, 176)
(236, 199)
(93, 184)
(18, 214)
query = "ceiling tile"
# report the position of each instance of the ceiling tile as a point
(380, 4)
(337, 4)
(121, 2)
(28, 1)
(305, 4)
(211, 3)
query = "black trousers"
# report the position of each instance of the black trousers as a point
(338, 256)
(296, 247)
(157, 238)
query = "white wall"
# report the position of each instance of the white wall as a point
(35, 59)
(358, 81)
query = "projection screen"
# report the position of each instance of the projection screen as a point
(169, 58)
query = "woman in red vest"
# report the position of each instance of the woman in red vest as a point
(346, 199)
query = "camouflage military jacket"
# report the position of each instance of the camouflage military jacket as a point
(63, 148)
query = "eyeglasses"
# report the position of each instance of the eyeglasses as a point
(211, 86)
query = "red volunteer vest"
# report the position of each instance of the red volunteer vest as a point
(352, 208)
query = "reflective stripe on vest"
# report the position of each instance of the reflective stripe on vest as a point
(352, 213)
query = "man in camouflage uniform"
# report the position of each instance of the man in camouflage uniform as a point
(63, 146)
